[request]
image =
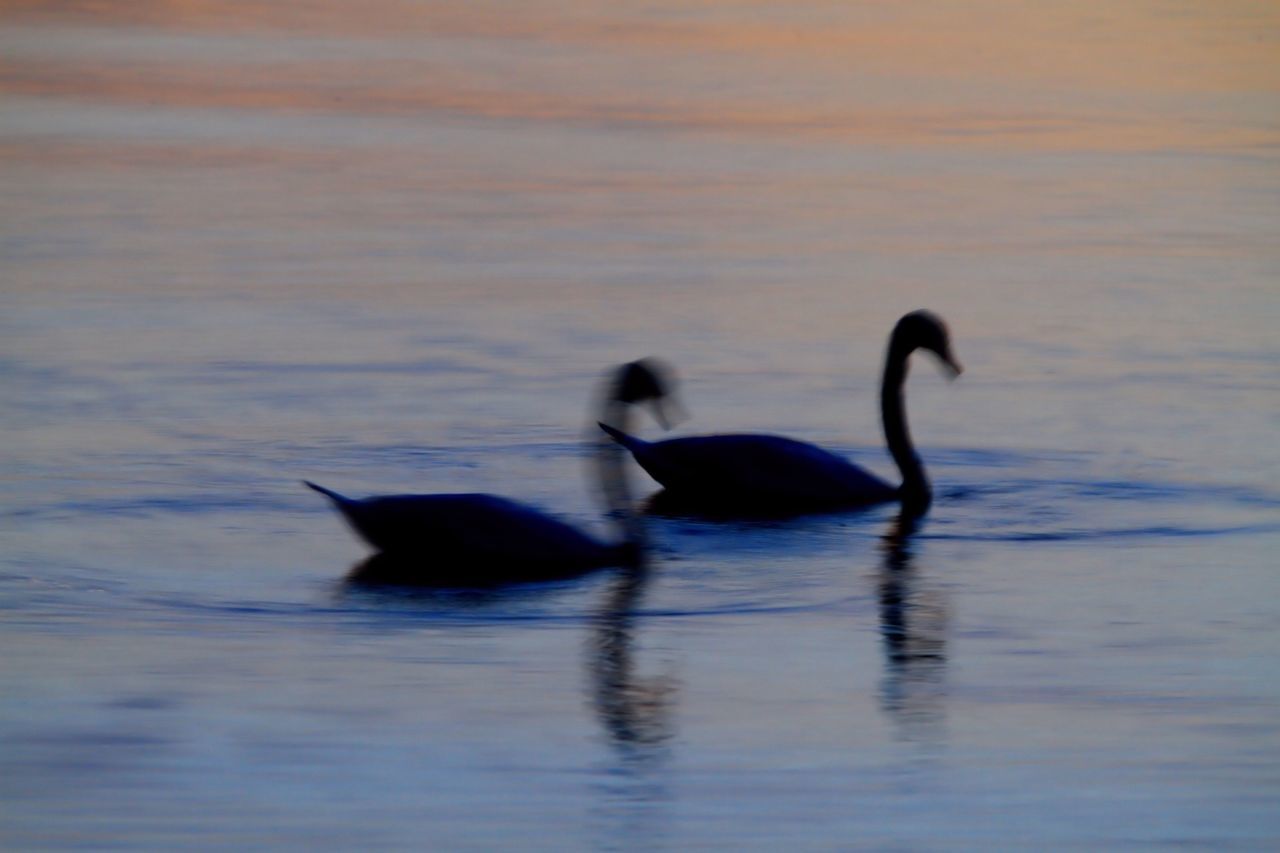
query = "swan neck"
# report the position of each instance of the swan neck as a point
(611, 476)
(915, 485)
(616, 414)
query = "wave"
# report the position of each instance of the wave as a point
(1084, 535)
(543, 604)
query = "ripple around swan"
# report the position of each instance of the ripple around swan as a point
(1156, 532)
(567, 604)
(1051, 497)
(702, 569)
(1116, 490)
(156, 506)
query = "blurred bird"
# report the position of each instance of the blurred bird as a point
(481, 539)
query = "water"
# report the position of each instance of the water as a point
(395, 249)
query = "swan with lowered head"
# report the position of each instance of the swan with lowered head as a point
(478, 540)
(771, 474)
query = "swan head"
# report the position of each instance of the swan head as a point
(927, 331)
(651, 382)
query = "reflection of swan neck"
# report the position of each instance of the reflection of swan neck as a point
(915, 485)
(635, 711)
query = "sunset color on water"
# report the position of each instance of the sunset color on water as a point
(401, 247)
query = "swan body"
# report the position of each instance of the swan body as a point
(773, 474)
(474, 537)
(745, 470)
(481, 540)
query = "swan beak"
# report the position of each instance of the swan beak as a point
(954, 367)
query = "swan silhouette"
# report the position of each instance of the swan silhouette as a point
(478, 540)
(771, 474)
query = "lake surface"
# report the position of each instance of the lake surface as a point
(396, 249)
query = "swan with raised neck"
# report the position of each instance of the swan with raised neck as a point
(747, 472)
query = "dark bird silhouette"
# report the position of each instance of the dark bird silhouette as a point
(478, 540)
(773, 474)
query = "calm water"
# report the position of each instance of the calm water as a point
(395, 249)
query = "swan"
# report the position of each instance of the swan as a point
(481, 540)
(771, 474)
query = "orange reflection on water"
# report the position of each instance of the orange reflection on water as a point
(1069, 75)
(1158, 44)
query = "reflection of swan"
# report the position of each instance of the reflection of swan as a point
(913, 627)
(478, 539)
(773, 473)
(635, 712)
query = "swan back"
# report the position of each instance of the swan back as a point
(762, 472)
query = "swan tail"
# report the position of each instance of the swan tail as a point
(628, 441)
(331, 495)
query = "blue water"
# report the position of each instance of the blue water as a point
(238, 256)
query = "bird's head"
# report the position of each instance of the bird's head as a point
(927, 331)
(651, 382)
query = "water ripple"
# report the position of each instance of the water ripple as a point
(1154, 532)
